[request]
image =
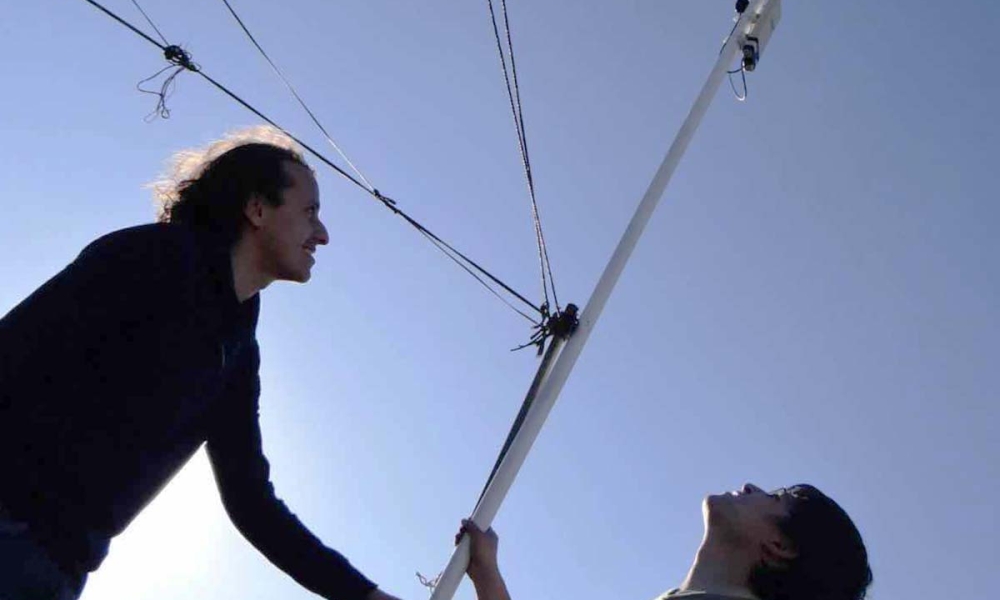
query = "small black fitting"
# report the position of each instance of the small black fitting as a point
(751, 54)
(565, 323)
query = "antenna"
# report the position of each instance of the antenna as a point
(758, 20)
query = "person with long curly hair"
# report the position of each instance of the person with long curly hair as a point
(115, 371)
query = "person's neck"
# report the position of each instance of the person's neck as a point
(718, 570)
(248, 277)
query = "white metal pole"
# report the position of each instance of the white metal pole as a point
(563, 365)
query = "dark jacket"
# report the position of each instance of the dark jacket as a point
(113, 374)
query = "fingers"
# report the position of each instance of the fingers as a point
(470, 525)
(468, 528)
(476, 535)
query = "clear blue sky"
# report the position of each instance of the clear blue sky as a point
(815, 300)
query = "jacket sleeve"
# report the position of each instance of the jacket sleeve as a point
(242, 475)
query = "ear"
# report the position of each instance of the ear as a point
(778, 551)
(254, 211)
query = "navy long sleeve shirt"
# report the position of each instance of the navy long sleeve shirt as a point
(113, 374)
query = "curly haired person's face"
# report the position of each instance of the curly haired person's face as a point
(292, 231)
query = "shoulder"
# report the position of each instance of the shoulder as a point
(157, 250)
(153, 259)
(150, 240)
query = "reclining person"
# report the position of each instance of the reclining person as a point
(793, 543)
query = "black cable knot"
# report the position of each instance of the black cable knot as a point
(387, 201)
(180, 60)
(560, 325)
(176, 55)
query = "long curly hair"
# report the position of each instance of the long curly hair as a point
(208, 188)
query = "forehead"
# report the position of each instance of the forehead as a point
(803, 490)
(301, 181)
(797, 492)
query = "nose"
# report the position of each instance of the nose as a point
(322, 235)
(749, 488)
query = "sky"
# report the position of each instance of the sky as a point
(815, 300)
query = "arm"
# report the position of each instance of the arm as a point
(242, 475)
(483, 568)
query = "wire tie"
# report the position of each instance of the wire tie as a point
(180, 57)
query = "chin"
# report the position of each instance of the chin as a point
(713, 500)
(296, 276)
(716, 504)
(718, 510)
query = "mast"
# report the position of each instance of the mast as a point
(750, 34)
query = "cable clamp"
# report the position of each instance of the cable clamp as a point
(176, 55)
(561, 325)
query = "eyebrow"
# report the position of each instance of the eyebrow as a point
(785, 493)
